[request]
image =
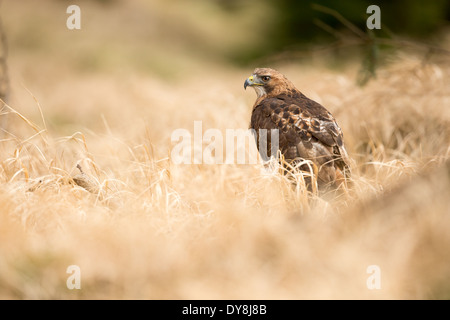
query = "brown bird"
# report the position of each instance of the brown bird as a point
(307, 131)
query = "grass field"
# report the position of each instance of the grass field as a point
(108, 97)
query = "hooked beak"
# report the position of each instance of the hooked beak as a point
(250, 81)
(247, 83)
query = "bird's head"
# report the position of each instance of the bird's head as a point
(269, 82)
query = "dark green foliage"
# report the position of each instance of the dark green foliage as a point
(296, 25)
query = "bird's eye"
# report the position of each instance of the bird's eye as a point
(265, 78)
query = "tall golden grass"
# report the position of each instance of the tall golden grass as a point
(147, 228)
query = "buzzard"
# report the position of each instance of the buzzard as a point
(307, 131)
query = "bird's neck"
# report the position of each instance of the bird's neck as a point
(288, 92)
(260, 92)
(286, 88)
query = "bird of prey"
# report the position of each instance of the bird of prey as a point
(307, 131)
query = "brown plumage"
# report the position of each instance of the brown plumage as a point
(306, 129)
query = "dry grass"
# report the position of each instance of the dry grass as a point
(151, 229)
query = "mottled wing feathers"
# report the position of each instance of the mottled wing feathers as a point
(307, 129)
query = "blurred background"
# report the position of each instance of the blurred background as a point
(109, 96)
(165, 36)
(172, 41)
